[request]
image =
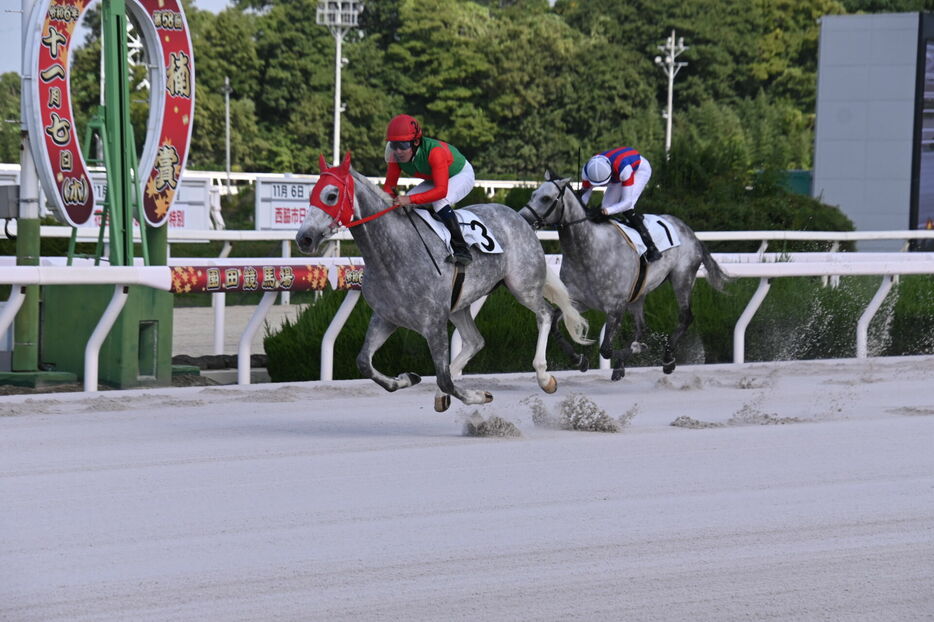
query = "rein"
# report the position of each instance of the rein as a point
(360, 221)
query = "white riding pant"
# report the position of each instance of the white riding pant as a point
(459, 186)
(620, 198)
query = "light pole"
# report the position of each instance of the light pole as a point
(227, 91)
(671, 68)
(339, 16)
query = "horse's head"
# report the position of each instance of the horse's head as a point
(333, 196)
(546, 205)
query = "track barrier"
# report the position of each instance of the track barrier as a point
(346, 273)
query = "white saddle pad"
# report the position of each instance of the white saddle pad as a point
(663, 234)
(475, 232)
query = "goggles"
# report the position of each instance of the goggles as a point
(400, 145)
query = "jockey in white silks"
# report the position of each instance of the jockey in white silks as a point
(625, 173)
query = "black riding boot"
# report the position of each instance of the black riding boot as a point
(635, 221)
(461, 255)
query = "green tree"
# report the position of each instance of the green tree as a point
(710, 154)
(440, 66)
(786, 56)
(225, 47)
(9, 117)
(779, 135)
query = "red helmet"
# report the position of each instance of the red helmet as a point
(403, 127)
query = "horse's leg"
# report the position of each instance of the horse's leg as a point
(545, 319)
(637, 309)
(437, 337)
(607, 351)
(530, 295)
(470, 336)
(377, 333)
(579, 358)
(472, 342)
(682, 285)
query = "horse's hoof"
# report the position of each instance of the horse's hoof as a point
(409, 379)
(487, 397)
(617, 374)
(551, 386)
(668, 366)
(583, 364)
(442, 403)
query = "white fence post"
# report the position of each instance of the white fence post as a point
(862, 327)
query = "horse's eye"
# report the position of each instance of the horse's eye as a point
(330, 195)
(543, 200)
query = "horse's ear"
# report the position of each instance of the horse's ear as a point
(322, 163)
(345, 165)
(549, 175)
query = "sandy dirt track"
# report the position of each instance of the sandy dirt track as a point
(797, 491)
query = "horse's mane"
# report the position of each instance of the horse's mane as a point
(566, 181)
(362, 182)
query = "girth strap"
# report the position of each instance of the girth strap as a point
(459, 274)
(639, 285)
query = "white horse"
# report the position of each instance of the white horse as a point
(407, 282)
(603, 271)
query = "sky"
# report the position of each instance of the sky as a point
(795, 490)
(11, 30)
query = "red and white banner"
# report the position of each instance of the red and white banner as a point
(173, 105)
(188, 279)
(50, 119)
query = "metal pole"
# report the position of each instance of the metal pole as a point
(671, 68)
(671, 98)
(26, 328)
(338, 38)
(339, 17)
(227, 90)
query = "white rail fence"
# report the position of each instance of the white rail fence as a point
(285, 238)
(744, 265)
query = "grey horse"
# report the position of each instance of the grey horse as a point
(604, 272)
(407, 282)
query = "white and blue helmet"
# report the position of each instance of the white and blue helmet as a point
(598, 170)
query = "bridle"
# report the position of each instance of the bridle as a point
(541, 222)
(341, 213)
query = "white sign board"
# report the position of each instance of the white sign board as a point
(282, 202)
(190, 210)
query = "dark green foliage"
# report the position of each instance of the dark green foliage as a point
(516, 198)
(240, 209)
(912, 326)
(295, 351)
(474, 197)
(801, 318)
(9, 111)
(517, 86)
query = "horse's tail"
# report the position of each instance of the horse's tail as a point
(715, 275)
(556, 293)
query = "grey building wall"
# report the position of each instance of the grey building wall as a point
(866, 82)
